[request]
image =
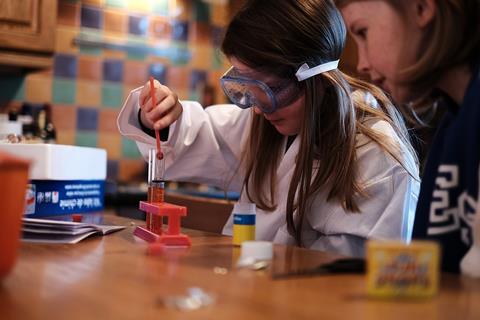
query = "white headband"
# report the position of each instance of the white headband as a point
(304, 72)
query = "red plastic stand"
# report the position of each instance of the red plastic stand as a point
(166, 238)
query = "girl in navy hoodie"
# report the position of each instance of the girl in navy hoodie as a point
(427, 52)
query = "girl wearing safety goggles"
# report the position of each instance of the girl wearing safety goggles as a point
(325, 157)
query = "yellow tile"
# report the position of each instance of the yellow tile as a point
(38, 88)
(112, 142)
(142, 6)
(88, 93)
(66, 137)
(64, 40)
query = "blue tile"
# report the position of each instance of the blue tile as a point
(13, 88)
(138, 25)
(91, 17)
(31, 109)
(113, 70)
(217, 35)
(196, 77)
(112, 170)
(159, 72)
(201, 11)
(65, 65)
(87, 119)
(180, 30)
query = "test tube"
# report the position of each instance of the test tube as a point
(156, 188)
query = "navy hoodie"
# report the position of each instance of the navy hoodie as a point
(449, 193)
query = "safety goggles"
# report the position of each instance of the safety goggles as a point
(247, 93)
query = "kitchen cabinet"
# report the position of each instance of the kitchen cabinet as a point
(27, 33)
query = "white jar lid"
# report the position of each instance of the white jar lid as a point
(258, 250)
(244, 208)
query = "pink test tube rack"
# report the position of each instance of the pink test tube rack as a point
(166, 238)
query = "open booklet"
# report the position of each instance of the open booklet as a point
(56, 231)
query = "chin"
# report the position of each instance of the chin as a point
(286, 131)
(401, 95)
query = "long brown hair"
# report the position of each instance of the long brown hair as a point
(277, 37)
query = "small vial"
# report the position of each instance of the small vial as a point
(244, 215)
(156, 189)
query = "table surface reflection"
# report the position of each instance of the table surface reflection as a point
(112, 277)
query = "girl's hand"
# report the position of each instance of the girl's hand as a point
(167, 110)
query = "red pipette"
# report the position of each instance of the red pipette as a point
(157, 134)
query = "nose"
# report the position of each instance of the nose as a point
(363, 65)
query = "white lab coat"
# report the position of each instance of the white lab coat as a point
(204, 146)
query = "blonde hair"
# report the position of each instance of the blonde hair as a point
(277, 37)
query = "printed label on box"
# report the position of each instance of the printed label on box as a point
(30, 199)
(51, 197)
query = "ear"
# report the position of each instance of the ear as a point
(424, 11)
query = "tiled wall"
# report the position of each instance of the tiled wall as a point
(136, 38)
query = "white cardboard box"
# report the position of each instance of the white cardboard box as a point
(63, 179)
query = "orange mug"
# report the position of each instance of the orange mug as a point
(13, 184)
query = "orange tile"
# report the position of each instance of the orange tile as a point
(66, 137)
(183, 93)
(201, 57)
(64, 118)
(68, 14)
(135, 73)
(131, 170)
(219, 15)
(64, 39)
(177, 78)
(214, 76)
(127, 89)
(115, 21)
(107, 121)
(38, 88)
(88, 93)
(112, 143)
(89, 68)
(97, 3)
(160, 28)
(114, 54)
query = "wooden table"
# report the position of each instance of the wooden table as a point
(111, 277)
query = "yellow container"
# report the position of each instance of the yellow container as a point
(397, 269)
(243, 222)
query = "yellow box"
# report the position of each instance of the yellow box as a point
(397, 269)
